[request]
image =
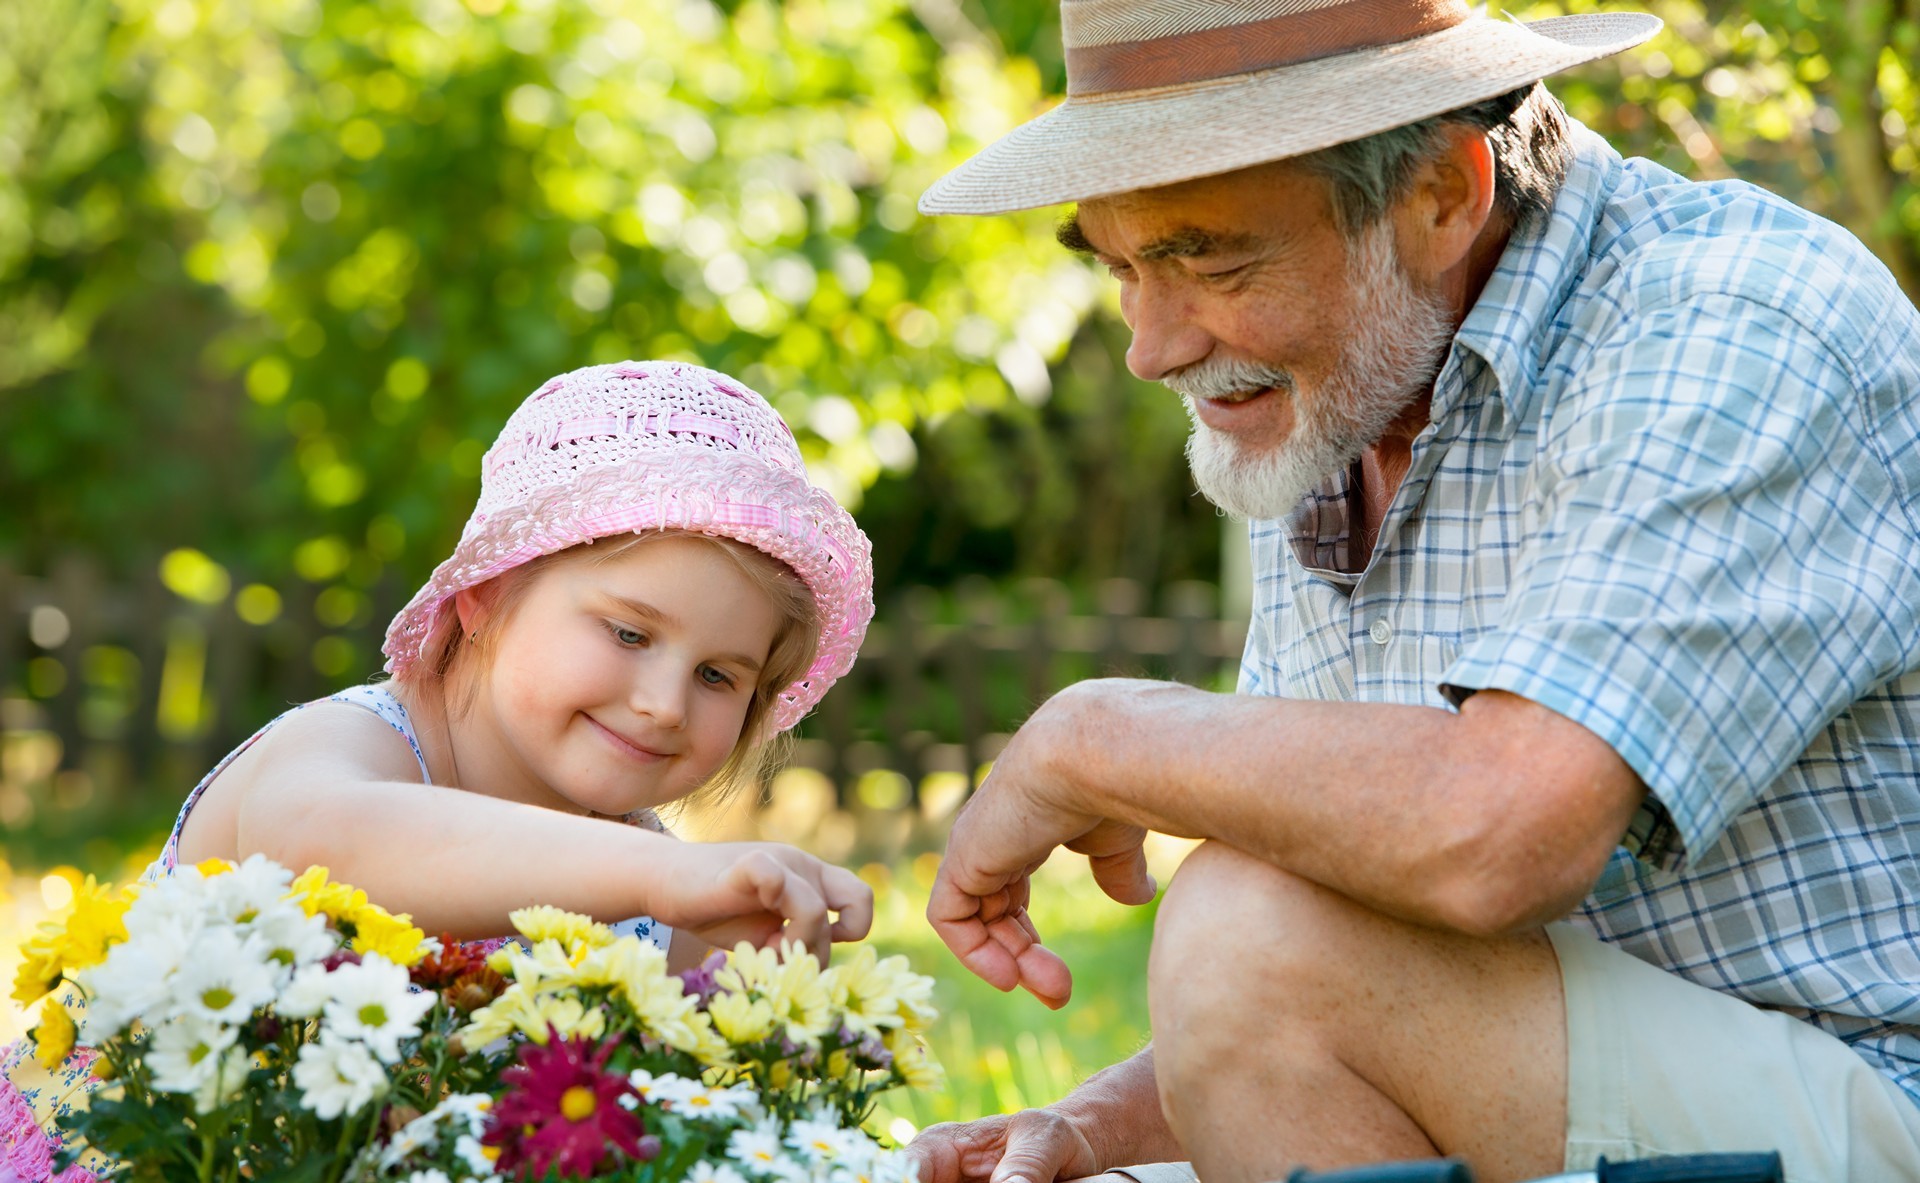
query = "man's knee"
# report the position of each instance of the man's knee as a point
(1228, 915)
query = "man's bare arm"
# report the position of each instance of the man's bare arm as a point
(1489, 821)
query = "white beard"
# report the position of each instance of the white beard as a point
(1399, 339)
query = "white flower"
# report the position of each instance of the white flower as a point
(337, 1075)
(707, 1171)
(242, 894)
(197, 1056)
(288, 937)
(184, 1051)
(757, 1149)
(725, 1104)
(132, 983)
(429, 1176)
(820, 1140)
(473, 1156)
(371, 1003)
(306, 994)
(666, 1089)
(223, 979)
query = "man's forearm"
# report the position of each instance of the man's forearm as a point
(1117, 1110)
(1497, 817)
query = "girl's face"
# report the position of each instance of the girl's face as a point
(620, 684)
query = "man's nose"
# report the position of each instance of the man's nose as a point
(1165, 337)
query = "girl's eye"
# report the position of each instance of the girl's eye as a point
(631, 638)
(715, 677)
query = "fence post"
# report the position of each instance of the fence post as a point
(1120, 599)
(1050, 606)
(912, 621)
(979, 616)
(151, 609)
(1190, 603)
(11, 664)
(76, 592)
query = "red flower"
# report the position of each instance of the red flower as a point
(561, 1112)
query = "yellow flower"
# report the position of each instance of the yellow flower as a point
(874, 994)
(800, 1000)
(390, 934)
(337, 901)
(53, 1038)
(213, 866)
(915, 1064)
(40, 971)
(747, 968)
(531, 1013)
(552, 924)
(741, 1019)
(97, 921)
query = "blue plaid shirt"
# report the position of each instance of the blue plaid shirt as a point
(1670, 489)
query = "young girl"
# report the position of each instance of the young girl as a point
(648, 591)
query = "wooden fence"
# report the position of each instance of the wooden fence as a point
(112, 695)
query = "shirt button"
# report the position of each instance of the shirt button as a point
(1380, 631)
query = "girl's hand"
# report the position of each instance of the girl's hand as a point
(762, 893)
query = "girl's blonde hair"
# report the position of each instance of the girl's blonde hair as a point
(452, 657)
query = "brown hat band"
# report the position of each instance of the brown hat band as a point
(1255, 45)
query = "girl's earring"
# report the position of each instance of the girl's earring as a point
(473, 638)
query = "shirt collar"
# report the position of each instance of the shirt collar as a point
(1540, 267)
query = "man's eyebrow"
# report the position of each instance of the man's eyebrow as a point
(1069, 235)
(647, 612)
(1188, 242)
(1191, 242)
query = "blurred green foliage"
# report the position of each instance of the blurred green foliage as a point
(272, 272)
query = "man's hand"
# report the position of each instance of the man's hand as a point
(1029, 805)
(1033, 1145)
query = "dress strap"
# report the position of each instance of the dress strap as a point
(381, 701)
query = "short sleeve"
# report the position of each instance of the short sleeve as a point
(1714, 565)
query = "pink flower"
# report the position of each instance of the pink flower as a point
(561, 1112)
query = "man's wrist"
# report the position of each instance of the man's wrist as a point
(1116, 1114)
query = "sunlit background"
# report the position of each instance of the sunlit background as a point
(272, 273)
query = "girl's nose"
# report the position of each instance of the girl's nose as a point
(660, 698)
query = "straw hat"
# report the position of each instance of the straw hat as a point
(1160, 91)
(638, 446)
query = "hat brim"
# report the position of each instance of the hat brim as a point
(1099, 145)
(731, 496)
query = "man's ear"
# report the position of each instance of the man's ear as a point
(1449, 203)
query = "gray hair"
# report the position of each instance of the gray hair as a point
(1527, 129)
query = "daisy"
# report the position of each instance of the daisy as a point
(337, 1075)
(223, 979)
(371, 1003)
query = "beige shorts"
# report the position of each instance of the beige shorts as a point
(1658, 1065)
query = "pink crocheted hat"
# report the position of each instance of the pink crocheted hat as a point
(639, 446)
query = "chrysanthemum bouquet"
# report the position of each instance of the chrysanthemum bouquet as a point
(250, 1024)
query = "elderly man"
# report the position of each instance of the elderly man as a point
(1569, 803)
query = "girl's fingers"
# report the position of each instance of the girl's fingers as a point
(850, 897)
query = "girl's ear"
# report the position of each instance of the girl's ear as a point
(471, 607)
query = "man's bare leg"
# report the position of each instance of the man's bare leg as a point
(1294, 1027)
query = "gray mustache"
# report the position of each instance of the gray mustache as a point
(1227, 378)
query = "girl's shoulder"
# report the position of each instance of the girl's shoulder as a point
(362, 733)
